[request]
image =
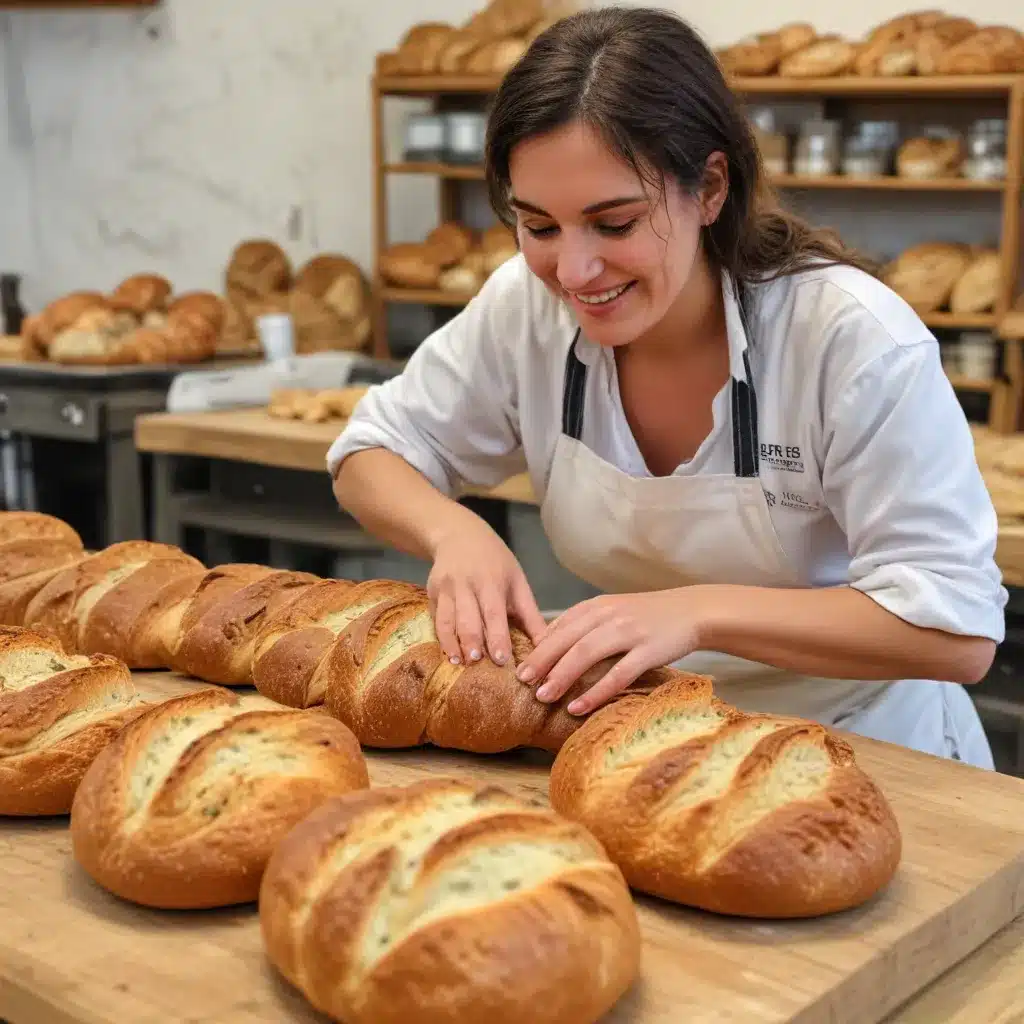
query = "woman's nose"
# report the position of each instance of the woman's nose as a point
(578, 266)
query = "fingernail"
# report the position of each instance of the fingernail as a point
(525, 673)
(455, 660)
(543, 693)
(501, 657)
(474, 655)
(576, 708)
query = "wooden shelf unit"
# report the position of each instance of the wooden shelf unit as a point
(1006, 391)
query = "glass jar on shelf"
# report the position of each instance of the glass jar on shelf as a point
(771, 141)
(986, 150)
(978, 356)
(817, 152)
(868, 150)
(424, 138)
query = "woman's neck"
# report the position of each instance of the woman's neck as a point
(695, 320)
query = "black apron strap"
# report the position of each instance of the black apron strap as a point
(573, 390)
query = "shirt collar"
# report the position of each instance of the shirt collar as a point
(589, 352)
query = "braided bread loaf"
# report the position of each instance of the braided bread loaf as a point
(441, 902)
(185, 807)
(742, 814)
(57, 712)
(369, 653)
(91, 607)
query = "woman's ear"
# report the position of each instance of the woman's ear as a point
(715, 188)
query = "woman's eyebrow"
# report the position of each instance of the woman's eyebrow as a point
(607, 204)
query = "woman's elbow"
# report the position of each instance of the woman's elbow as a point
(969, 659)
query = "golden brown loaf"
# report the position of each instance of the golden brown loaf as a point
(257, 268)
(57, 712)
(184, 808)
(926, 157)
(442, 902)
(91, 607)
(742, 814)
(924, 275)
(142, 294)
(977, 288)
(386, 677)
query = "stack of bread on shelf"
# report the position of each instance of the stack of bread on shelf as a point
(327, 298)
(946, 276)
(927, 42)
(453, 258)
(487, 43)
(140, 321)
(220, 796)
(312, 405)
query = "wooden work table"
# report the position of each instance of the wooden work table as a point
(70, 953)
(251, 435)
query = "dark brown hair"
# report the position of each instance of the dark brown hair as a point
(646, 81)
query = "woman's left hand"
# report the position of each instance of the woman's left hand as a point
(649, 630)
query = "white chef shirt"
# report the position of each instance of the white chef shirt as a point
(866, 456)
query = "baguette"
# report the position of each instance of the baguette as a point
(91, 606)
(183, 809)
(735, 813)
(57, 712)
(443, 901)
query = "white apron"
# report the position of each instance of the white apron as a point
(625, 534)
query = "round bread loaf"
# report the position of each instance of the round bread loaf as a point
(443, 901)
(57, 712)
(185, 807)
(741, 814)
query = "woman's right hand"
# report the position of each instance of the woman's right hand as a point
(474, 585)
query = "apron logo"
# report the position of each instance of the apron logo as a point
(770, 498)
(791, 500)
(782, 456)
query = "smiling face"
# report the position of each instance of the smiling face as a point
(623, 255)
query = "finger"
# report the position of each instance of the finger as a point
(524, 606)
(468, 623)
(444, 626)
(625, 671)
(555, 643)
(593, 647)
(495, 620)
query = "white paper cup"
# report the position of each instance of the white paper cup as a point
(277, 335)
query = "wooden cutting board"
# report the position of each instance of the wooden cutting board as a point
(70, 952)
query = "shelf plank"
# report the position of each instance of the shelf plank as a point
(424, 296)
(458, 172)
(961, 383)
(982, 321)
(475, 172)
(841, 85)
(887, 183)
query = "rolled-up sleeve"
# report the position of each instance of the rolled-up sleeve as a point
(901, 478)
(452, 412)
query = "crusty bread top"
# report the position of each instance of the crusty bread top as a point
(34, 554)
(47, 695)
(736, 812)
(36, 526)
(368, 903)
(64, 605)
(186, 804)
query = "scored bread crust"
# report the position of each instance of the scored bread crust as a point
(290, 650)
(90, 606)
(741, 814)
(57, 712)
(447, 901)
(185, 807)
(36, 526)
(217, 637)
(387, 679)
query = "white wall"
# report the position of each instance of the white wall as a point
(157, 140)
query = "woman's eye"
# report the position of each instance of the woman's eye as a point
(542, 232)
(617, 230)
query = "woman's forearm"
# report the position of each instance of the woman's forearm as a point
(835, 633)
(395, 502)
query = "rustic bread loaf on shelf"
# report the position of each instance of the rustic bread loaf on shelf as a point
(92, 606)
(57, 712)
(183, 809)
(443, 901)
(740, 814)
